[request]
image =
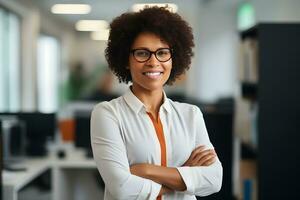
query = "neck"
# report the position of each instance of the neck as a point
(151, 99)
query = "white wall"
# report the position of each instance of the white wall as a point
(34, 22)
(29, 33)
(214, 73)
(277, 10)
(89, 52)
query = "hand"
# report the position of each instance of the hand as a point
(201, 157)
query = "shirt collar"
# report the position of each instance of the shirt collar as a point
(136, 105)
(166, 105)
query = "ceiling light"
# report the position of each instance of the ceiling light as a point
(100, 35)
(170, 6)
(71, 9)
(91, 25)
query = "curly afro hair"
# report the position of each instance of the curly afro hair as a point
(157, 20)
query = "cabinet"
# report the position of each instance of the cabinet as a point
(277, 96)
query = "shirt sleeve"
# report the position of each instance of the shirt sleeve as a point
(111, 159)
(202, 180)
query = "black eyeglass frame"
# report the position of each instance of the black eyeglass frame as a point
(132, 51)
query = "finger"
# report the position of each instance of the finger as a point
(209, 162)
(199, 157)
(195, 156)
(203, 153)
(199, 148)
(214, 151)
(197, 151)
(192, 161)
(206, 158)
(205, 150)
(205, 162)
(199, 162)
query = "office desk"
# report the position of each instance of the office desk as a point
(73, 177)
(14, 181)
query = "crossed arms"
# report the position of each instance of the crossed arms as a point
(169, 177)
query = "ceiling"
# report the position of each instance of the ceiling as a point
(109, 9)
(101, 9)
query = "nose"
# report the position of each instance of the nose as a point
(153, 62)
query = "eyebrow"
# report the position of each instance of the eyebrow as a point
(145, 48)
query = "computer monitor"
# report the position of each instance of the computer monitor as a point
(40, 128)
(40, 124)
(82, 131)
(14, 139)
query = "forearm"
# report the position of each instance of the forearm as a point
(166, 176)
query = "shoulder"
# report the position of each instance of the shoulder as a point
(107, 108)
(185, 108)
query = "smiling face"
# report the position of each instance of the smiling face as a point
(152, 74)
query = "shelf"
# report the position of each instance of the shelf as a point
(269, 90)
(249, 90)
(248, 151)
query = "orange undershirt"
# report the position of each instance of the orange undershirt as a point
(161, 138)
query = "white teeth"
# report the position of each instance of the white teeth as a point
(152, 73)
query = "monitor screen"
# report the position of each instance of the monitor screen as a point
(82, 130)
(40, 124)
(37, 123)
(39, 127)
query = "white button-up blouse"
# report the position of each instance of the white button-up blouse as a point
(122, 134)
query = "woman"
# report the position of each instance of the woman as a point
(145, 145)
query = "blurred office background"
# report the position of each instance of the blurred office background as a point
(244, 77)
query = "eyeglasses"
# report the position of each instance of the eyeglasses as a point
(143, 55)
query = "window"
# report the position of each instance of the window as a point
(10, 93)
(48, 65)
